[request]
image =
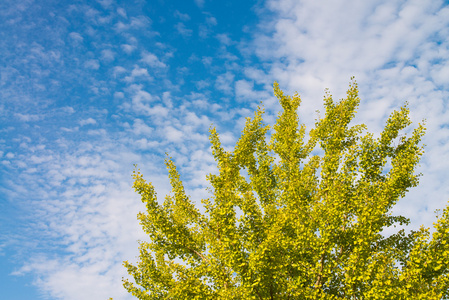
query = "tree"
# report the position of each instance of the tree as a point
(295, 217)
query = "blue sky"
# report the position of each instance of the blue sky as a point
(89, 88)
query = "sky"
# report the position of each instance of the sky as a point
(88, 89)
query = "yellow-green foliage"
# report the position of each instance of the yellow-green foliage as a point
(309, 225)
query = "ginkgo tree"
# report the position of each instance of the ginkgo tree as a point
(295, 216)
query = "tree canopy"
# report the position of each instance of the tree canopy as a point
(295, 216)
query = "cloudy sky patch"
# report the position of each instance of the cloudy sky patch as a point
(88, 89)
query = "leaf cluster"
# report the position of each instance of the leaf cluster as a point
(292, 217)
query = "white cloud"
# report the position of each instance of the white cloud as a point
(199, 3)
(212, 21)
(244, 91)
(76, 37)
(167, 99)
(141, 96)
(183, 30)
(99, 132)
(203, 31)
(107, 55)
(122, 12)
(224, 39)
(138, 73)
(440, 73)
(128, 49)
(152, 60)
(224, 82)
(228, 138)
(139, 22)
(28, 117)
(144, 103)
(118, 70)
(181, 16)
(105, 3)
(68, 110)
(74, 129)
(88, 121)
(365, 35)
(227, 55)
(158, 111)
(120, 26)
(141, 128)
(207, 61)
(40, 159)
(91, 13)
(119, 95)
(173, 135)
(145, 144)
(202, 84)
(192, 119)
(92, 64)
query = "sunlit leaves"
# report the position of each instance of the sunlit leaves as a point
(295, 217)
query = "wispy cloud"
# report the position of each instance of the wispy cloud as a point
(183, 30)
(107, 55)
(244, 91)
(224, 83)
(92, 64)
(224, 39)
(199, 3)
(138, 73)
(152, 60)
(205, 29)
(128, 49)
(76, 37)
(88, 121)
(181, 16)
(122, 12)
(139, 22)
(27, 117)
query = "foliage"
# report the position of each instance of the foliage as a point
(295, 217)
